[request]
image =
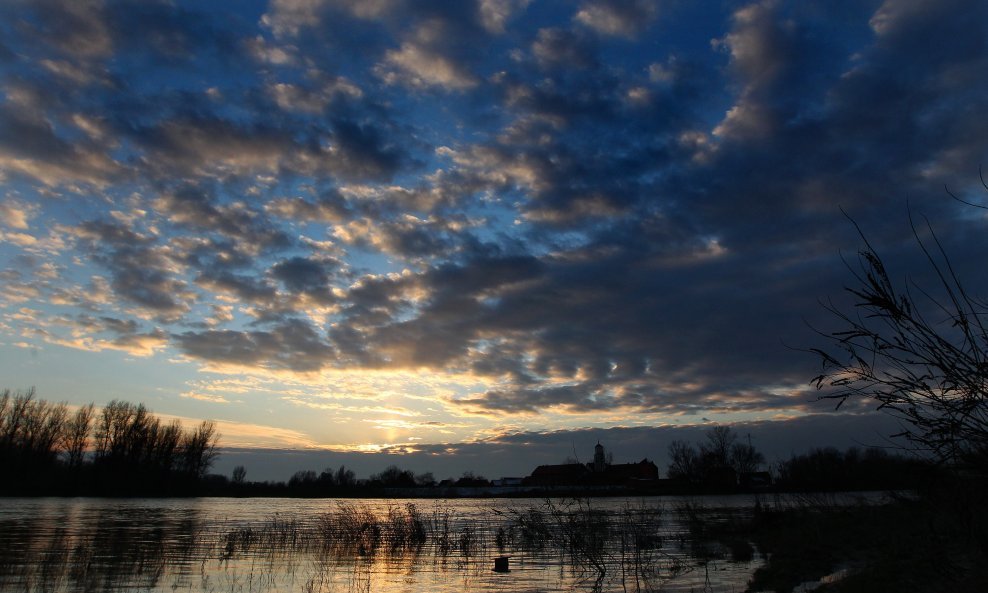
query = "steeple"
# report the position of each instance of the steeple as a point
(598, 458)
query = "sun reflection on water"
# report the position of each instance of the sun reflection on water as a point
(275, 545)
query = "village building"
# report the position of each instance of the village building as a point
(599, 472)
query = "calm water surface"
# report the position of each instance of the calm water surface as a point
(373, 545)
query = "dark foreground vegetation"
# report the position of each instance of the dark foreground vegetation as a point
(933, 543)
(917, 351)
(120, 450)
(930, 542)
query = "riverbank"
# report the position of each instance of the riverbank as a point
(930, 544)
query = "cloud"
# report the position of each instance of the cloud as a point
(194, 207)
(19, 239)
(207, 144)
(264, 51)
(616, 17)
(576, 213)
(419, 66)
(300, 274)
(409, 237)
(422, 46)
(72, 28)
(495, 14)
(291, 97)
(96, 334)
(770, 55)
(141, 271)
(362, 151)
(31, 146)
(289, 345)
(246, 289)
(328, 207)
(286, 17)
(560, 47)
(257, 437)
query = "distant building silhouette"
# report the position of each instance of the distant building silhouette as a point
(566, 474)
(623, 473)
(597, 473)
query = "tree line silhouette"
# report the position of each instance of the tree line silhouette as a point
(718, 463)
(723, 463)
(121, 449)
(831, 470)
(341, 482)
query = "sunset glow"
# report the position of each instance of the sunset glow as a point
(433, 228)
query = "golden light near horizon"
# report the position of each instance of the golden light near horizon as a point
(458, 221)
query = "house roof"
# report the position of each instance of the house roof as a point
(566, 469)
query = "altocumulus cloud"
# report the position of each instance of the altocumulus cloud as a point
(581, 211)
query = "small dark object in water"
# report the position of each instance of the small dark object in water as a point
(501, 564)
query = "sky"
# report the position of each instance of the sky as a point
(474, 234)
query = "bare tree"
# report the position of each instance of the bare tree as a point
(745, 458)
(239, 475)
(31, 430)
(720, 440)
(112, 429)
(132, 449)
(198, 449)
(77, 434)
(919, 352)
(169, 437)
(303, 478)
(15, 410)
(683, 462)
(45, 430)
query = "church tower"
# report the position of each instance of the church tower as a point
(598, 458)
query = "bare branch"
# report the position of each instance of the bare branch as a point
(932, 375)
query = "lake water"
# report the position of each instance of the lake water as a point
(370, 545)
